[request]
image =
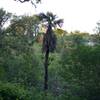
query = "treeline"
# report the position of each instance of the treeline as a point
(73, 68)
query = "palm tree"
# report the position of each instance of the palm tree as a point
(49, 40)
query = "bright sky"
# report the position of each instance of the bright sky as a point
(77, 14)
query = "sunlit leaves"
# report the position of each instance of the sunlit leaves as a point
(60, 32)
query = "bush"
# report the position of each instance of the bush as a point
(81, 72)
(10, 91)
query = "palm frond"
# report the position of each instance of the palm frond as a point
(42, 17)
(51, 16)
(59, 22)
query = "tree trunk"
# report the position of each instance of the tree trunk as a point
(46, 70)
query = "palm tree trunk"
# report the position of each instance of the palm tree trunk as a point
(46, 70)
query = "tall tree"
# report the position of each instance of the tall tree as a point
(97, 29)
(49, 40)
(24, 25)
(4, 16)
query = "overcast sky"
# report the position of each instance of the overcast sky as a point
(77, 14)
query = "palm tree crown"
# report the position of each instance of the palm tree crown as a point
(49, 40)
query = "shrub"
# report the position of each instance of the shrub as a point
(10, 91)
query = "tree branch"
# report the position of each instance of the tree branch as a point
(22, 1)
(37, 1)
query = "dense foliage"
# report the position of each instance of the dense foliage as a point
(74, 67)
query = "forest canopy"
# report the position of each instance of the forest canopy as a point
(41, 61)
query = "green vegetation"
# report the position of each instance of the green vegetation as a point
(73, 68)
